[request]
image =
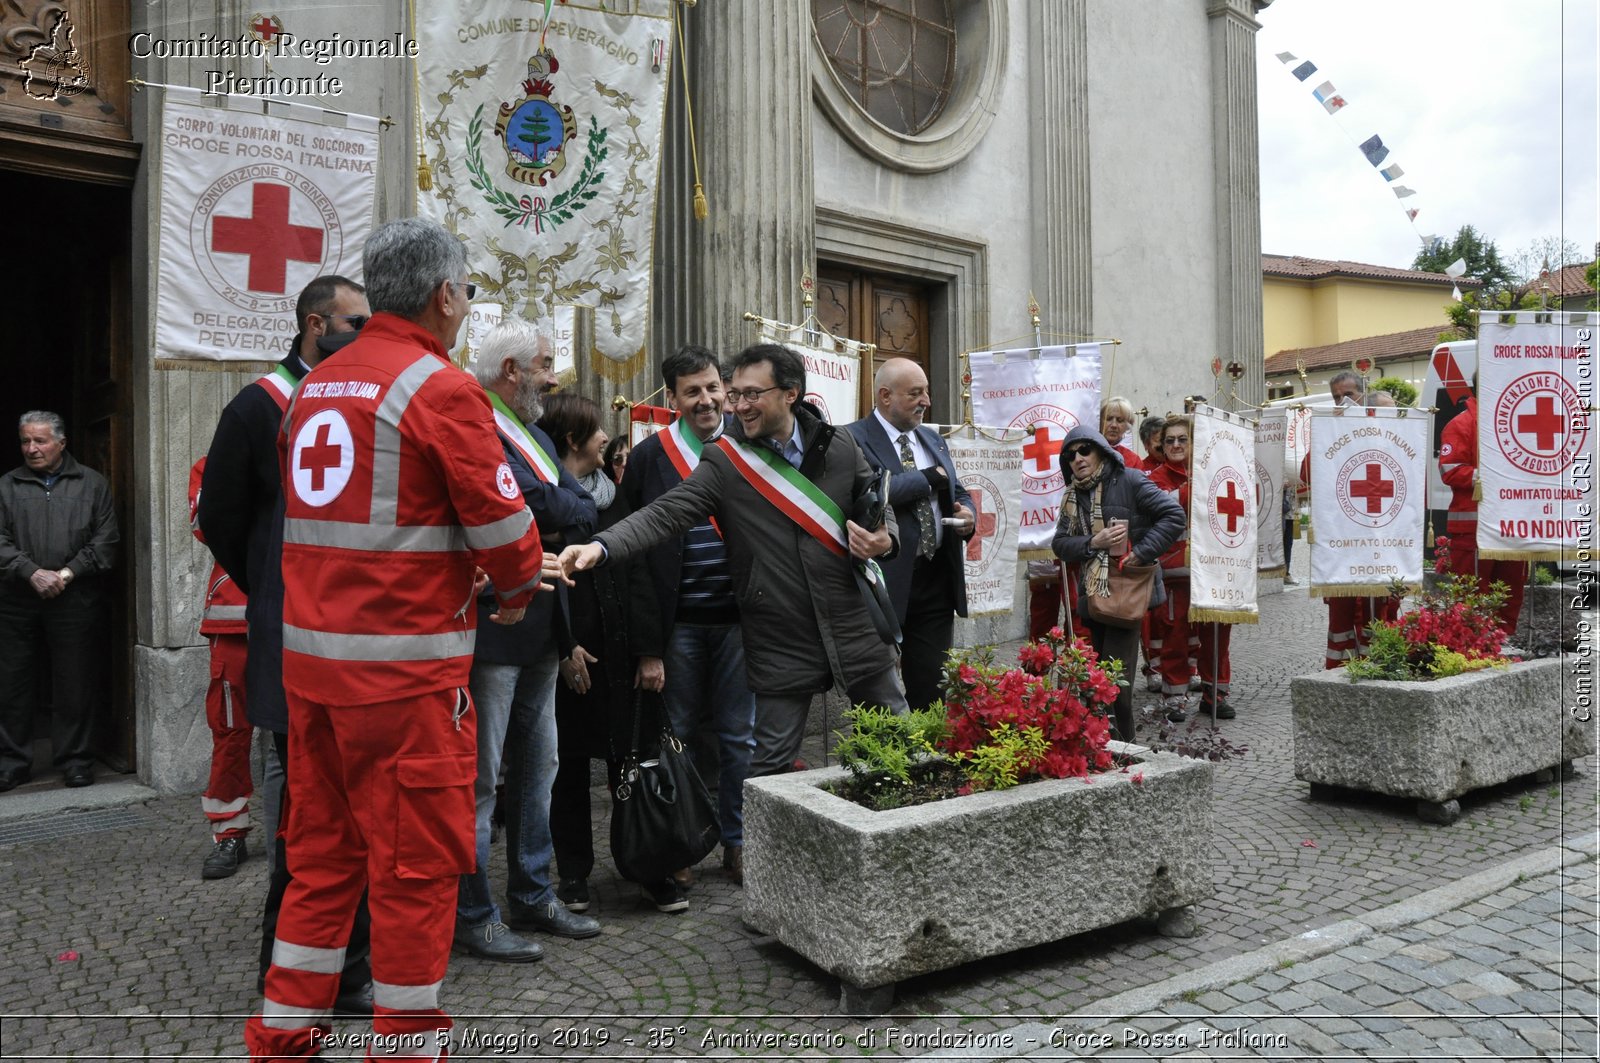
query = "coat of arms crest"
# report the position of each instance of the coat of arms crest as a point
(535, 129)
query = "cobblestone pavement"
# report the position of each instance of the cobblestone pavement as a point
(115, 947)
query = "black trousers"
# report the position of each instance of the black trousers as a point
(1119, 644)
(358, 954)
(72, 627)
(927, 631)
(571, 824)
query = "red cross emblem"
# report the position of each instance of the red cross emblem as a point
(320, 456)
(1544, 424)
(323, 457)
(1042, 451)
(266, 27)
(268, 237)
(986, 525)
(1231, 506)
(1374, 489)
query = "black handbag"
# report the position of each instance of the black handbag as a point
(662, 816)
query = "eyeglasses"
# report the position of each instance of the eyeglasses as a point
(1176, 441)
(356, 321)
(472, 290)
(1080, 450)
(748, 395)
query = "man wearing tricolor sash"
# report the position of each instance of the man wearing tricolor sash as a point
(784, 487)
(705, 686)
(240, 512)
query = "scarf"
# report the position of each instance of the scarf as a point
(601, 488)
(1097, 569)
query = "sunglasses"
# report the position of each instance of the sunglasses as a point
(1080, 450)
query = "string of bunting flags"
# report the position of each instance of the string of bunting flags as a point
(1373, 148)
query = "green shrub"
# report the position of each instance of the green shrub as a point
(884, 744)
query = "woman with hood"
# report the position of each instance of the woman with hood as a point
(1111, 515)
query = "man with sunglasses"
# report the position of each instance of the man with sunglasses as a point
(238, 512)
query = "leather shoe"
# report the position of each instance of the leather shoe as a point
(225, 857)
(551, 917)
(10, 780)
(733, 863)
(78, 775)
(354, 1003)
(494, 941)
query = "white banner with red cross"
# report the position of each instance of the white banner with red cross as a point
(1047, 392)
(1222, 518)
(990, 467)
(833, 367)
(254, 207)
(1271, 457)
(1368, 493)
(1536, 388)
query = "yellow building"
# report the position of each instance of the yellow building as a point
(1326, 314)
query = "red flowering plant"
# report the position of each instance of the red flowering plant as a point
(1452, 630)
(1045, 718)
(1441, 554)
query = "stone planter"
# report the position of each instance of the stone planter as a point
(1434, 741)
(875, 897)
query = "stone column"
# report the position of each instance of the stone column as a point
(750, 83)
(1058, 76)
(1237, 163)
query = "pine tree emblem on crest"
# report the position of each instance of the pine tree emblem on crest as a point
(534, 130)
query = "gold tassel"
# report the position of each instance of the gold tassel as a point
(1222, 616)
(702, 209)
(424, 173)
(1477, 489)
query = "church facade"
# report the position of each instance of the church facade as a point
(1098, 156)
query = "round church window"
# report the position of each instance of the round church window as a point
(895, 58)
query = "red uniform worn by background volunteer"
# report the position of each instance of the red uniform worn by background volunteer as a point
(226, 801)
(1458, 467)
(1208, 654)
(395, 487)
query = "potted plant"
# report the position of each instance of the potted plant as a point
(1434, 710)
(1001, 819)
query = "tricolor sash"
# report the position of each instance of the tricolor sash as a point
(683, 448)
(512, 428)
(797, 497)
(280, 384)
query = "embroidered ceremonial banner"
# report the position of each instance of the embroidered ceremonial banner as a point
(1368, 493)
(833, 368)
(1296, 444)
(1272, 433)
(1536, 393)
(1047, 395)
(645, 421)
(545, 146)
(253, 207)
(1222, 519)
(989, 464)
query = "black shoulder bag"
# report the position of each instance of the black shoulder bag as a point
(662, 817)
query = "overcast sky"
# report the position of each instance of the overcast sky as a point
(1488, 106)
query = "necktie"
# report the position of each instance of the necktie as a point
(928, 544)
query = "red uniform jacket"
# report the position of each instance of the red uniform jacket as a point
(1174, 480)
(225, 602)
(1458, 464)
(395, 487)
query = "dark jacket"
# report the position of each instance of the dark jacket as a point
(805, 625)
(618, 628)
(241, 516)
(564, 513)
(69, 525)
(1154, 519)
(906, 488)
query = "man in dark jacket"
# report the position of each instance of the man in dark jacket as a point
(784, 487)
(514, 670)
(241, 516)
(705, 689)
(928, 577)
(58, 539)
(1111, 515)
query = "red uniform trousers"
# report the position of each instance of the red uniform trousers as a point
(1347, 626)
(383, 801)
(1176, 666)
(226, 801)
(1514, 574)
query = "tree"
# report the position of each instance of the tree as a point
(1482, 258)
(1553, 251)
(1404, 392)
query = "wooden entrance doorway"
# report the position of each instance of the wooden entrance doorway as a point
(889, 311)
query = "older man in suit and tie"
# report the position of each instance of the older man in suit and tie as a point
(927, 580)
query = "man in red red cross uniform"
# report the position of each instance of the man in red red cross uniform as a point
(226, 801)
(395, 488)
(1458, 467)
